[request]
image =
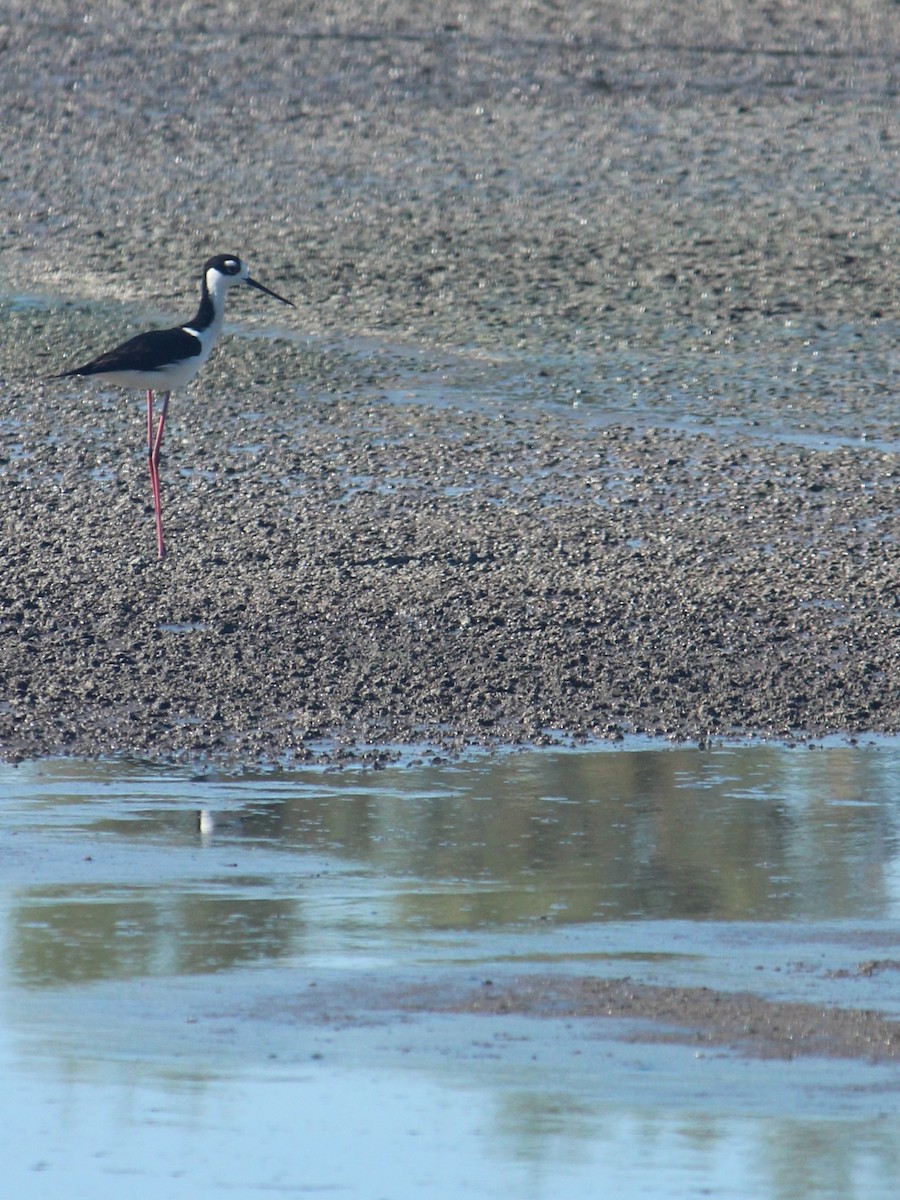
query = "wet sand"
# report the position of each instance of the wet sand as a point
(348, 569)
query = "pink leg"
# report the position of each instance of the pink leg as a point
(153, 447)
(154, 479)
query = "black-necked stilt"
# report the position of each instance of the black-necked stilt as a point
(163, 360)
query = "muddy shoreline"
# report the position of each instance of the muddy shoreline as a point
(711, 1019)
(351, 569)
(754, 1026)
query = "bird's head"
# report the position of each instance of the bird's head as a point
(225, 270)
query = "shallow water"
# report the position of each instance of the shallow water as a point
(162, 933)
(792, 381)
(795, 381)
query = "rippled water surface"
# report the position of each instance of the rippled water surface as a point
(794, 381)
(159, 928)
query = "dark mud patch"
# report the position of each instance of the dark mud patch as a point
(754, 1026)
(698, 1016)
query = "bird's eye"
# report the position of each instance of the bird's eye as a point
(232, 266)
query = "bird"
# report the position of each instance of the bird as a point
(164, 360)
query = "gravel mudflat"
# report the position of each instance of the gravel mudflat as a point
(585, 423)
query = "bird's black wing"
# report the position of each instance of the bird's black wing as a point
(151, 351)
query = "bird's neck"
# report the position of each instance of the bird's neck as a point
(211, 312)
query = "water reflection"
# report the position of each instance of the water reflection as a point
(232, 864)
(76, 935)
(160, 928)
